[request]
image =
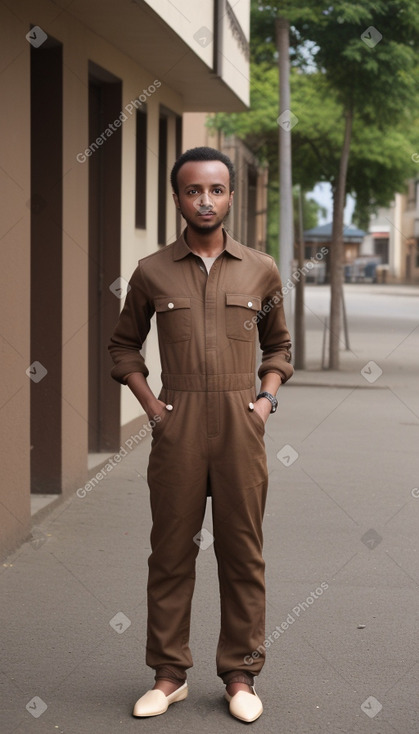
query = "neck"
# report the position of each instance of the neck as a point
(206, 245)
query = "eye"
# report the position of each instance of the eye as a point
(217, 190)
(191, 191)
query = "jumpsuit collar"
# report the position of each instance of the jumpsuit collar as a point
(181, 249)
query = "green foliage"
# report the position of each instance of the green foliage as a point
(334, 70)
(359, 73)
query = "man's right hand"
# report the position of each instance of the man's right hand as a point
(159, 410)
(151, 405)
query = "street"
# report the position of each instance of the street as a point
(341, 551)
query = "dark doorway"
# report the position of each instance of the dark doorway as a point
(105, 106)
(45, 204)
(162, 180)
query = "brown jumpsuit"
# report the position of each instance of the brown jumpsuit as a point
(210, 442)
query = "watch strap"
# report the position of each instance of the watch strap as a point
(272, 399)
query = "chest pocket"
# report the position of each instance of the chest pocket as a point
(173, 318)
(240, 310)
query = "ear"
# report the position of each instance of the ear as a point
(230, 200)
(176, 200)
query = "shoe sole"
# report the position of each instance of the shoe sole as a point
(246, 721)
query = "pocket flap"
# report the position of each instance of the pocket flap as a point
(239, 299)
(171, 303)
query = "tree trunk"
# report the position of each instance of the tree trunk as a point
(286, 234)
(337, 247)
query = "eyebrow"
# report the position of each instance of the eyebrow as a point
(197, 186)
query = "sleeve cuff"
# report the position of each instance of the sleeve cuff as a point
(122, 370)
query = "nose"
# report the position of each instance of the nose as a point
(205, 199)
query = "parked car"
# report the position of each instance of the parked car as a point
(362, 270)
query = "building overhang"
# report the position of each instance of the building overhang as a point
(139, 32)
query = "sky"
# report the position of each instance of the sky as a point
(322, 194)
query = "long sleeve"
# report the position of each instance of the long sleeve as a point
(273, 333)
(131, 330)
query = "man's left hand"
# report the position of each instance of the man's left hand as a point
(263, 408)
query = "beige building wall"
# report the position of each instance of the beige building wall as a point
(113, 46)
(400, 222)
(410, 232)
(14, 292)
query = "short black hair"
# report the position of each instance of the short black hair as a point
(202, 153)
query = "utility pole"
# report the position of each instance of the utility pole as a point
(299, 325)
(285, 123)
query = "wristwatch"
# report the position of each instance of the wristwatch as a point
(273, 401)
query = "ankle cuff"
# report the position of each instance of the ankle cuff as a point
(238, 677)
(171, 673)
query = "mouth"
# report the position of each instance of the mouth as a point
(206, 214)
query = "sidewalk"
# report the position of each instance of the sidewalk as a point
(341, 548)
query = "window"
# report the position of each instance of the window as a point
(381, 249)
(141, 169)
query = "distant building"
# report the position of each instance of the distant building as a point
(319, 237)
(316, 238)
(391, 245)
(93, 96)
(394, 237)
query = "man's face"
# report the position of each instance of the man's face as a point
(204, 194)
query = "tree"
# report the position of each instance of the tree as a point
(354, 91)
(359, 48)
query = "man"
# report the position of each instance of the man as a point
(211, 296)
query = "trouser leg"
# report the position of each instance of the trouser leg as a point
(177, 480)
(239, 485)
(238, 547)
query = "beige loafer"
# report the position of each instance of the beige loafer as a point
(245, 706)
(154, 702)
